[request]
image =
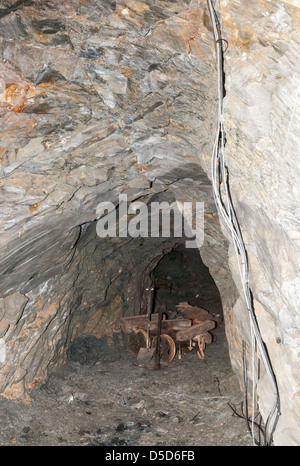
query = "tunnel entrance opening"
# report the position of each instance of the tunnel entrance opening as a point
(95, 393)
(181, 276)
(179, 311)
(102, 397)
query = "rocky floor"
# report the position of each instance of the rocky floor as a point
(113, 402)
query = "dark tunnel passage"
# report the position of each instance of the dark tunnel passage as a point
(181, 276)
(175, 285)
(182, 304)
(104, 395)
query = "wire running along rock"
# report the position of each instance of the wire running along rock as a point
(221, 192)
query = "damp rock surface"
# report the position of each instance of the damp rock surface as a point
(113, 402)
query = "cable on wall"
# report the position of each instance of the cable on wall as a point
(221, 192)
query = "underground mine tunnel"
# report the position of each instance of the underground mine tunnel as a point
(109, 108)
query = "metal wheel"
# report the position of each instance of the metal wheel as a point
(167, 347)
(137, 340)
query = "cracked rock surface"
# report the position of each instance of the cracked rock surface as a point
(101, 98)
(98, 99)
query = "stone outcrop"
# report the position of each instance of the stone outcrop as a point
(261, 118)
(102, 98)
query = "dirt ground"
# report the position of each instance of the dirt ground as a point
(113, 402)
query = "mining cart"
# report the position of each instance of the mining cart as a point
(151, 334)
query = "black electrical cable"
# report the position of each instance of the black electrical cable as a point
(244, 416)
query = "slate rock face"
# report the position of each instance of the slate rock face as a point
(97, 101)
(102, 98)
(262, 116)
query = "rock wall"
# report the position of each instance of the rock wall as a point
(262, 121)
(102, 98)
(98, 99)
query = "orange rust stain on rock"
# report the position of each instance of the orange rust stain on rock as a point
(16, 96)
(30, 126)
(172, 137)
(246, 39)
(193, 27)
(17, 392)
(33, 208)
(147, 168)
(127, 72)
(41, 37)
(188, 156)
(210, 218)
(46, 84)
(177, 125)
(36, 382)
